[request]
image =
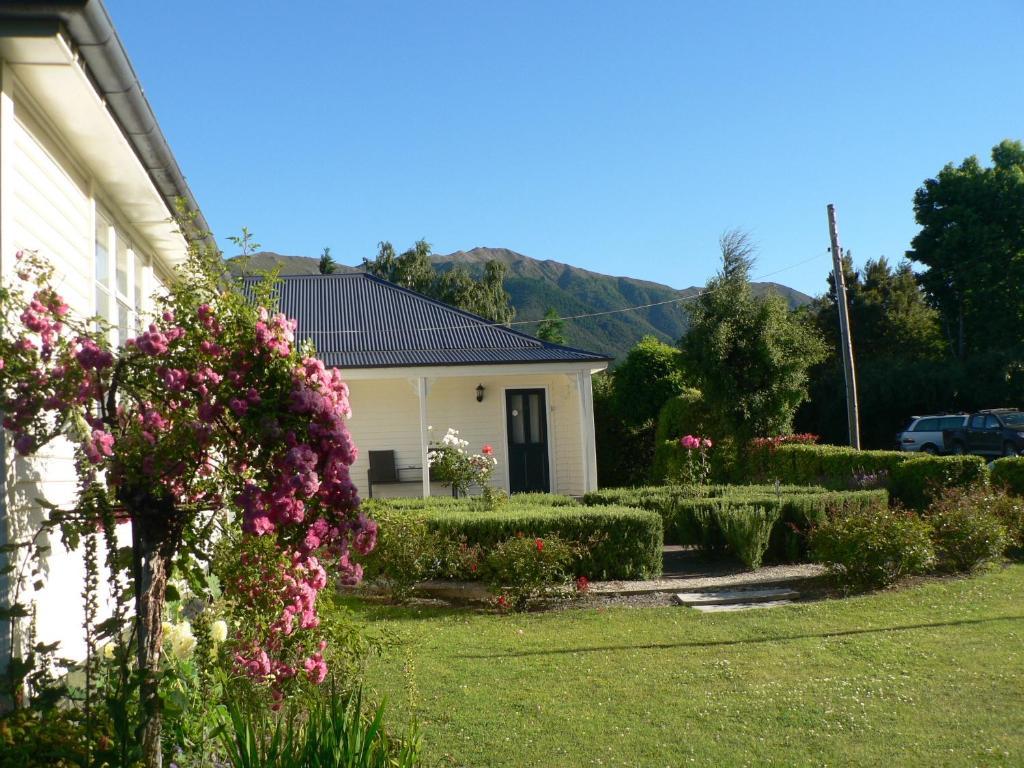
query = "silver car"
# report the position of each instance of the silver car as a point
(924, 433)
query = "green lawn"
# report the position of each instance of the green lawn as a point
(926, 676)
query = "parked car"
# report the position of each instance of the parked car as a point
(992, 432)
(925, 433)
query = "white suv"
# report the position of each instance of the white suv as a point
(924, 433)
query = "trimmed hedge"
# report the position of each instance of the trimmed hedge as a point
(833, 466)
(693, 515)
(624, 543)
(1009, 473)
(915, 483)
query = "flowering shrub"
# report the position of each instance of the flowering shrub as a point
(452, 465)
(873, 548)
(693, 466)
(213, 406)
(805, 438)
(966, 530)
(522, 569)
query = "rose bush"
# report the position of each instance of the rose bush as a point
(453, 465)
(212, 407)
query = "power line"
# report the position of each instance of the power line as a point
(691, 297)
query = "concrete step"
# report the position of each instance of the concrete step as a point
(732, 607)
(730, 597)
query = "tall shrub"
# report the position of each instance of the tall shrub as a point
(212, 406)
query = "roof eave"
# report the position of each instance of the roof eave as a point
(89, 28)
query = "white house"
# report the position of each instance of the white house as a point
(87, 179)
(416, 367)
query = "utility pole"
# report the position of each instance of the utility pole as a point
(852, 415)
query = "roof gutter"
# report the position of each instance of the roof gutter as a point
(106, 63)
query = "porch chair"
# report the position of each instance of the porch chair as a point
(383, 471)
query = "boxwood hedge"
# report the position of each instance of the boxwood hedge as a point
(1009, 474)
(834, 466)
(695, 516)
(626, 542)
(915, 483)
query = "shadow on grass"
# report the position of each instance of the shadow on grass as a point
(750, 641)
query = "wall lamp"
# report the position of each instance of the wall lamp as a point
(479, 393)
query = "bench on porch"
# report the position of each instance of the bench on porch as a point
(383, 471)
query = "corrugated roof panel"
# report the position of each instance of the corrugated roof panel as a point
(357, 320)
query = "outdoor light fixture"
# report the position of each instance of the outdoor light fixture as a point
(479, 393)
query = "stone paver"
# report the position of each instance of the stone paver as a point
(736, 596)
(740, 606)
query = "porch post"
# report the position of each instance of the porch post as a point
(421, 391)
(588, 448)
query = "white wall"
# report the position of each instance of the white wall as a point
(385, 415)
(47, 203)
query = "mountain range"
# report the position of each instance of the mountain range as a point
(536, 285)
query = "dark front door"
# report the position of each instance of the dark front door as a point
(526, 414)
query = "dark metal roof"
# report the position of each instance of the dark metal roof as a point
(361, 321)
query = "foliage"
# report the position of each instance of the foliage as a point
(889, 315)
(916, 482)
(624, 452)
(689, 462)
(413, 269)
(1008, 473)
(829, 465)
(747, 530)
(692, 515)
(522, 569)
(326, 265)
(650, 375)
(212, 406)
(971, 243)
(45, 737)
(452, 465)
(873, 548)
(965, 529)
(902, 367)
(627, 402)
(684, 414)
(333, 730)
(409, 551)
(552, 328)
(621, 543)
(748, 355)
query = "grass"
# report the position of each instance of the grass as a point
(930, 675)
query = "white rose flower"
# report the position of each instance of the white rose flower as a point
(219, 631)
(183, 642)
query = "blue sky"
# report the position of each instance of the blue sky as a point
(619, 137)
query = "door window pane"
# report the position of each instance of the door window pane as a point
(977, 422)
(518, 419)
(991, 422)
(535, 416)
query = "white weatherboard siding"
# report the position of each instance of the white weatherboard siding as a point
(385, 416)
(48, 202)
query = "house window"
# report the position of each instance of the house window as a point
(104, 234)
(121, 281)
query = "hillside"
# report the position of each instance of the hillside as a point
(537, 285)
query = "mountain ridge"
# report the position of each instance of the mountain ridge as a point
(536, 285)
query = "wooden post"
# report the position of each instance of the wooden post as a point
(852, 415)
